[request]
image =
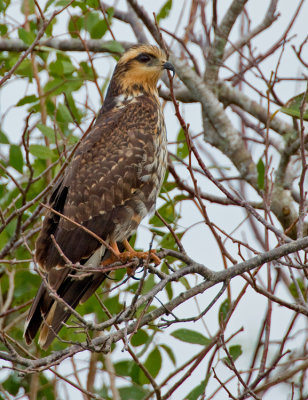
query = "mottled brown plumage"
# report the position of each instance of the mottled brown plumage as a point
(110, 185)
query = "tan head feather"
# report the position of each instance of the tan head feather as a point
(140, 68)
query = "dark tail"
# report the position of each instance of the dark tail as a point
(73, 291)
(48, 314)
(51, 314)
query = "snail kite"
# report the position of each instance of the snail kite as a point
(110, 185)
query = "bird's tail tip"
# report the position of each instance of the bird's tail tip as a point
(47, 334)
(26, 334)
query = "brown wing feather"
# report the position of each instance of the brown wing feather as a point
(101, 182)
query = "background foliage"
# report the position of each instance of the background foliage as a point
(231, 217)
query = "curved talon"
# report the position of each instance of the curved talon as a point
(143, 255)
(129, 254)
(155, 258)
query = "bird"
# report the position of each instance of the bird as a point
(110, 185)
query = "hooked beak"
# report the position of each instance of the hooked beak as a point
(170, 67)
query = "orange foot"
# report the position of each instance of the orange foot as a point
(129, 254)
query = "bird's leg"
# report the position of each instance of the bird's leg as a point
(129, 254)
(115, 255)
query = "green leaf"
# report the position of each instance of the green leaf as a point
(164, 11)
(189, 336)
(113, 304)
(68, 67)
(56, 68)
(235, 351)
(82, 5)
(11, 228)
(113, 46)
(63, 3)
(48, 32)
(132, 392)
(3, 29)
(63, 114)
(26, 284)
(50, 107)
(99, 29)
(75, 111)
(135, 374)
(168, 186)
(139, 338)
(39, 151)
(25, 69)
(261, 171)
(58, 86)
(61, 67)
(198, 390)
(105, 85)
(182, 148)
(293, 107)
(85, 71)
(49, 2)
(293, 290)
(46, 390)
(93, 3)
(26, 36)
(223, 310)
(46, 131)
(183, 280)
(123, 368)
(167, 211)
(3, 138)
(169, 290)
(26, 100)
(16, 158)
(76, 23)
(96, 26)
(149, 283)
(29, 9)
(12, 384)
(4, 5)
(169, 352)
(168, 241)
(152, 364)
(180, 197)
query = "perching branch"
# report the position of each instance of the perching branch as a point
(211, 278)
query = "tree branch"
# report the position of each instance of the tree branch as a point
(95, 45)
(211, 278)
(222, 32)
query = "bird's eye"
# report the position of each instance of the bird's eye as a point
(143, 57)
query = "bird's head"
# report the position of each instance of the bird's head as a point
(139, 69)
